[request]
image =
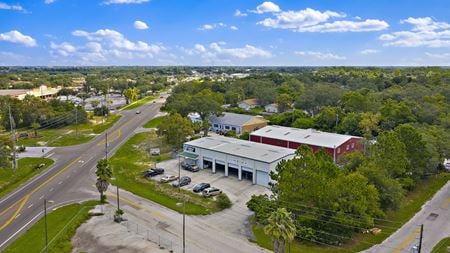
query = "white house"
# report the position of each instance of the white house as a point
(271, 108)
(248, 104)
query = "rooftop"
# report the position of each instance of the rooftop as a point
(305, 136)
(247, 149)
(251, 101)
(233, 119)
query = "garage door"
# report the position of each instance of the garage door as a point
(262, 178)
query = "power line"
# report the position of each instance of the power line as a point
(323, 243)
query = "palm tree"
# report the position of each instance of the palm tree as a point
(131, 94)
(104, 174)
(281, 228)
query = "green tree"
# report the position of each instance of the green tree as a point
(390, 154)
(353, 101)
(35, 126)
(280, 228)
(5, 151)
(206, 103)
(284, 102)
(369, 124)
(131, 94)
(104, 174)
(176, 129)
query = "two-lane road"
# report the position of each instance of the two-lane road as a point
(68, 180)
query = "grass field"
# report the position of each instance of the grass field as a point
(138, 103)
(132, 158)
(442, 246)
(154, 123)
(10, 180)
(62, 226)
(410, 206)
(67, 136)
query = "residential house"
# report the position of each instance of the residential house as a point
(240, 123)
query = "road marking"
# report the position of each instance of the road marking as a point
(446, 202)
(41, 197)
(30, 206)
(67, 176)
(17, 216)
(20, 230)
(24, 200)
(127, 201)
(407, 241)
(60, 182)
(49, 155)
(51, 189)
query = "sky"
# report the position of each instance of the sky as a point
(225, 32)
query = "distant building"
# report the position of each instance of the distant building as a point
(240, 123)
(42, 92)
(334, 144)
(248, 104)
(194, 117)
(271, 108)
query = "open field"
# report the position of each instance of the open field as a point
(9, 180)
(154, 123)
(62, 225)
(442, 246)
(411, 205)
(70, 135)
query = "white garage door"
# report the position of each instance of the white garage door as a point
(262, 178)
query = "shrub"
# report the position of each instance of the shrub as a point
(223, 201)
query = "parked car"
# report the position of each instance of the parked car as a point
(154, 172)
(138, 112)
(200, 187)
(184, 180)
(168, 178)
(211, 192)
(189, 167)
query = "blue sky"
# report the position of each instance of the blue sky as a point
(225, 32)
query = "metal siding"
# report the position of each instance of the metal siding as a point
(262, 178)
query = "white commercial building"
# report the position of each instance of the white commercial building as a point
(235, 157)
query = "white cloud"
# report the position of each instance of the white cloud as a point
(310, 20)
(140, 25)
(217, 52)
(320, 55)
(238, 13)
(49, 1)
(108, 2)
(369, 51)
(211, 26)
(235, 28)
(267, 7)
(425, 32)
(443, 56)
(19, 38)
(64, 49)
(16, 7)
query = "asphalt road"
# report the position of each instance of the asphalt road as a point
(435, 217)
(68, 180)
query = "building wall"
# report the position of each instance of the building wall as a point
(252, 127)
(354, 144)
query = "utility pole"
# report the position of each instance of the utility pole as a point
(13, 132)
(184, 225)
(420, 239)
(76, 121)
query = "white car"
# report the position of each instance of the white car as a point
(168, 178)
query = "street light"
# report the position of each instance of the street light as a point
(184, 222)
(45, 220)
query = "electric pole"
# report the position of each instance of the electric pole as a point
(420, 239)
(13, 132)
(76, 121)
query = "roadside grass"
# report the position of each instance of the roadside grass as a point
(62, 225)
(139, 102)
(410, 205)
(67, 136)
(154, 123)
(133, 157)
(442, 246)
(10, 180)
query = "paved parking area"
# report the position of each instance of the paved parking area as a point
(234, 219)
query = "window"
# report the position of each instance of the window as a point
(347, 147)
(233, 128)
(339, 150)
(216, 126)
(227, 127)
(353, 145)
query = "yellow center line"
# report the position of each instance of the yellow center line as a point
(406, 241)
(15, 213)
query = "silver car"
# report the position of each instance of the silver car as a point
(212, 191)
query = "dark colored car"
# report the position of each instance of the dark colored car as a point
(184, 180)
(189, 167)
(200, 187)
(154, 172)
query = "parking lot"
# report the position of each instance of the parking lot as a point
(234, 219)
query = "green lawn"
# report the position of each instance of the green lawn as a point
(132, 158)
(10, 180)
(70, 135)
(154, 123)
(442, 246)
(410, 206)
(62, 226)
(138, 103)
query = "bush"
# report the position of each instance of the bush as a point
(262, 206)
(223, 201)
(101, 111)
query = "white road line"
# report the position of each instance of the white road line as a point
(20, 230)
(50, 154)
(60, 182)
(67, 176)
(41, 197)
(17, 216)
(51, 189)
(30, 206)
